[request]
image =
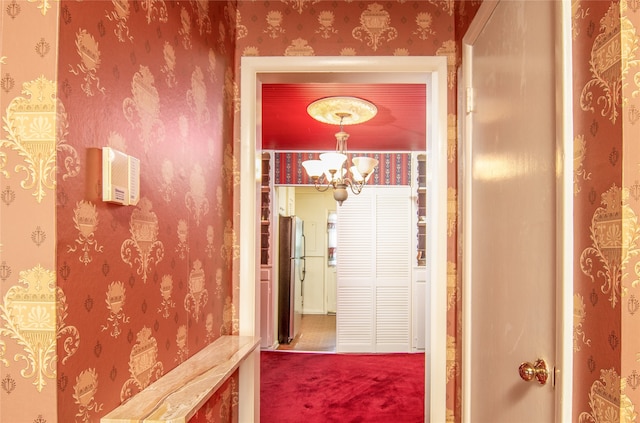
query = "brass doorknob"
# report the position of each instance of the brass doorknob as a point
(537, 370)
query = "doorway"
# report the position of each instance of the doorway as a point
(317, 331)
(431, 71)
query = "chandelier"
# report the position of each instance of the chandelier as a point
(332, 170)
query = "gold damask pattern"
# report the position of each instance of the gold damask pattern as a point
(219, 200)
(452, 286)
(120, 15)
(450, 416)
(230, 322)
(169, 68)
(182, 344)
(87, 49)
(210, 247)
(326, 19)
(143, 109)
(202, 17)
(608, 402)
(423, 22)
(222, 36)
(452, 138)
(241, 29)
(166, 186)
(196, 200)
(166, 292)
(230, 170)
(144, 366)
(197, 96)
(579, 316)
(299, 5)
(182, 247)
(230, 249)
(612, 54)
(84, 392)
(208, 328)
(156, 10)
(579, 172)
(614, 234)
(578, 13)
(452, 210)
(198, 295)
(85, 220)
(185, 30)
(143, 227)
(43, 5)
(33, 313)
(375, 27)
(116, 296)
(452, 362)
(299, 47)
(30, 123)
(219, 283)
(274, 24)
(449, 49)
(629, 49)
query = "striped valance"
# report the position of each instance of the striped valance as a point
(393, 169)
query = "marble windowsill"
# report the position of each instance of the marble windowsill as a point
(180, 393)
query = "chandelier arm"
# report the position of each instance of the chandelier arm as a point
(320, 186)
(356, 187)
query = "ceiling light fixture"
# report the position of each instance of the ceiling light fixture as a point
(331, 169)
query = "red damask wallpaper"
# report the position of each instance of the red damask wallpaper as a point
(146, 286)
(117, 295)
(606, 108)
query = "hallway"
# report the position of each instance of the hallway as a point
(317, 334)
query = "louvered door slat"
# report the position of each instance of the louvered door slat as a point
(392, 319)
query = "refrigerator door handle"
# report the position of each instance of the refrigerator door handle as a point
(304, 258)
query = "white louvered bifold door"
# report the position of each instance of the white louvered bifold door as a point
(354, 274)
(374, 271)
(393, 270)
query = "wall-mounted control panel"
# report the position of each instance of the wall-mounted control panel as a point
(120, 177)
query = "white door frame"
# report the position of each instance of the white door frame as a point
(431, 71)
(564, 200)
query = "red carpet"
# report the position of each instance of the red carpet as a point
(355, 388)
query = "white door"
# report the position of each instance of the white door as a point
(510, 207)
(374, 271)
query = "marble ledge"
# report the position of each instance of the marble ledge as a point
(179, 394)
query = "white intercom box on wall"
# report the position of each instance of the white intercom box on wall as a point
(120, 177)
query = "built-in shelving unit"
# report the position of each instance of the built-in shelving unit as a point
(421, 208)
(267, 227)
(265, 210)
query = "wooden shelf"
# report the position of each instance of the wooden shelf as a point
(265, 211)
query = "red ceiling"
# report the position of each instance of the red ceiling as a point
(399, 125)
